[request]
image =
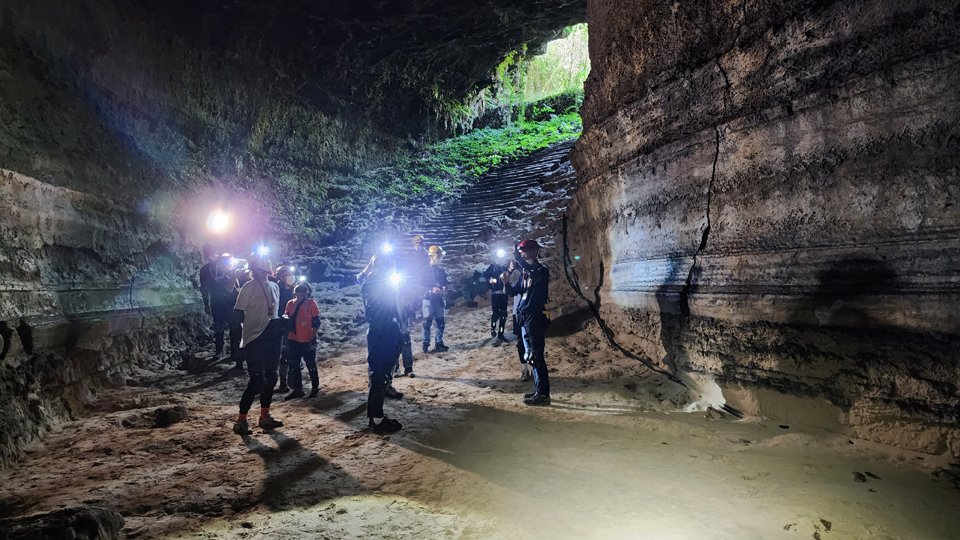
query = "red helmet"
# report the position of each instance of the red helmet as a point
(528, 245)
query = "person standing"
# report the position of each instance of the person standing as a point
(208, 276)
(302, 342)
(515, 275)
(257, 305)
(381, 305)
(498, 298)
(435, 284)
(403, 321)
(286, 280)
(533, 289)
(223, 296)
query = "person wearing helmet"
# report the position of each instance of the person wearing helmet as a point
(434, 283)
(302, 342)
(208, 273)
(381, 307)
(533, 291)
(223, 296)
(257, 305)
(284, 277)
(498, 298)
(403, 321)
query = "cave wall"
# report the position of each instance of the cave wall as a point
(88, 292)
(769, 194)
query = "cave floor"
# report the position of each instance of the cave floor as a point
(606, 460)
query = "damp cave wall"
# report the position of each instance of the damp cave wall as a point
(122, 123)
(769, 193)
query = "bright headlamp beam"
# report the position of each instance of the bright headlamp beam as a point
(500, 253)
(303, 278)
(263, 250)
(386, 247)
(395, 278)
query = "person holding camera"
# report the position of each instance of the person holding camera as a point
(302, 341)
(256, 311)
(381, 306)
(532, 316)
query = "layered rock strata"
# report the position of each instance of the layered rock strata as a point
(88, 290)
(769, 193)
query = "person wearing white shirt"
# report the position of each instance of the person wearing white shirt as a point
(257, 305)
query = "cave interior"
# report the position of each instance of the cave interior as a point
(753, 247)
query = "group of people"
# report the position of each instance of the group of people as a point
(245, 298)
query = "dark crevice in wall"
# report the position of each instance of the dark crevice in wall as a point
(685, 292)
(25, 331)
(5, 334)
(574, 280)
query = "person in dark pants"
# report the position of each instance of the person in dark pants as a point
(381, 304)
(284, 277)
(208, 276)
(498, 298)
(241, 276)
(515, 275)
(434, 282)
(532, 316)
(302, 342)
(223, 296)
(392, 392)
(256, 306)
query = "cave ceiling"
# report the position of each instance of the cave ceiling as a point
(364, 51)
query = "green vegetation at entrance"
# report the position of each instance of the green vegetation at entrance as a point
(450, 164)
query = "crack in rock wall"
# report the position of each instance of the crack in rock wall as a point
(93, 291)
(817, 144)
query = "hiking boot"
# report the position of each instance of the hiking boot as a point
(537, 399)
(283, 388)
(240, 427)
(239, 366)
(388, 425)
(440, 347)
(409, 374)
(314, 393)
(426, 347)
(268, 422)
(294, 395)
(392, 393)
(493, 333)
(530, 395)
(501, 337)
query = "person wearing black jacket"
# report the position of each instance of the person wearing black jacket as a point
(223, 296)
(208, 276)
(381, 305)
(498, 298)
(434, 283)
(531, 315)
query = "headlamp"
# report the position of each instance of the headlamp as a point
(263, 251)
(303, 278)
(386, 247)
(500, 253)
(395, 278)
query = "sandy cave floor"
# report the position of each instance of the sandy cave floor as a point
(606, 460)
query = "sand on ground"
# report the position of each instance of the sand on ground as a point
(607, 460)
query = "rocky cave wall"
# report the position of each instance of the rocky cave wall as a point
(122, 123)
(769, 194)
(88, 291)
